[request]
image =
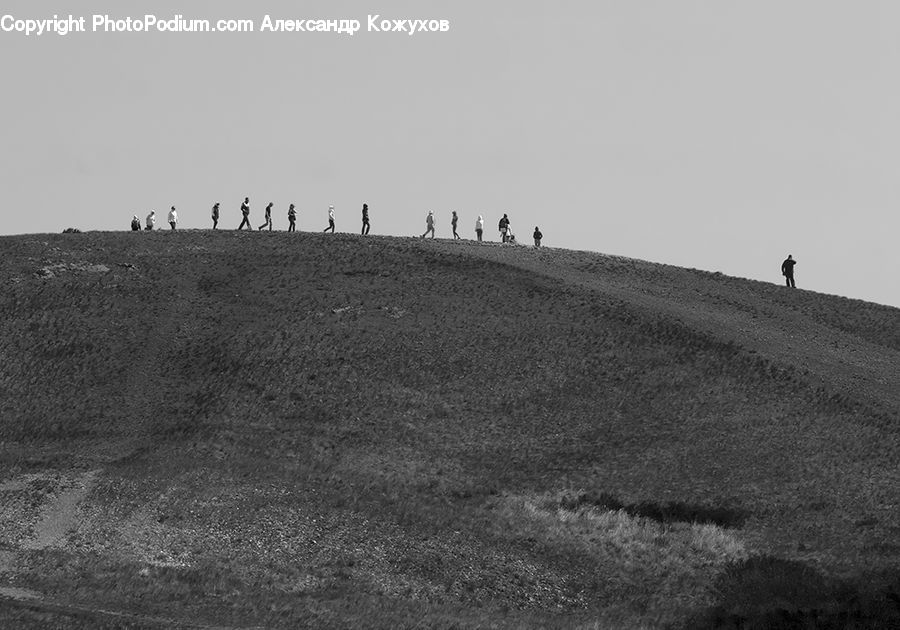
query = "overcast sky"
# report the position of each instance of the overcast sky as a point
(717, 135)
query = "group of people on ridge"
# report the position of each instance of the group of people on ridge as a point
(151, 220)
(504, 225)
(506, 234)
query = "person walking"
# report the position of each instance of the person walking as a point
(504, 228)
(537, 236)
(429, 224)
(453, 221)
(787, 270)
(365, 219)
(330, 220)
(479, 227)
(151, 220)
(245, 211)
(268, 217)
(292, 219)
(215, 215)
(135, 224)
(173, 217)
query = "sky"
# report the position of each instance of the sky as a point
(714, 135)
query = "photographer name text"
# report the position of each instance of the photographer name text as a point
(148, 23)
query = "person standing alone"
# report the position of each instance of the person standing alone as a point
(215, 215)
(292, 219)
(245, 211)
(268, 217)
(787, 270)
(365, 219)
(330, 220)
(173, 217)
(151, 220)
(479, 227)
(537, 236)
(453, 221)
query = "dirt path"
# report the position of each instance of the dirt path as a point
(61, 514)
(57, 519)
(844, 362)
(17, 593)
(7, 561)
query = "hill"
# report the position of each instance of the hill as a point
(267, 429)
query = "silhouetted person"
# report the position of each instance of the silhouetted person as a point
(365, 219)
(787, 270)
(292, 219)
(245, 211)
(429, 224)
(453, 221)
(215, 215)
(268, 217)
(135, 224)
(504, 228)
(330, 220)
(151, 220)
(537, 236)
(479, 227)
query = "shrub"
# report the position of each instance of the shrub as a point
(765, 592)
(671, 512)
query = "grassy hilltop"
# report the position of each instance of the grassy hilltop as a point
(221, 429)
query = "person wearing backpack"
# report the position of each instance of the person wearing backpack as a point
(504, 228)
(292, 219)
(135, 224)
(151, 220)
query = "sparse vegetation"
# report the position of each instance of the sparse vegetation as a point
(671, 512)
(305, 430)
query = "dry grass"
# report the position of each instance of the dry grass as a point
(344, 432)
(637, 562)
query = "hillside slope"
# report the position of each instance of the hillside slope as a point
(301, 429)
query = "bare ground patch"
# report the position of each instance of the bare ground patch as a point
(39, 510)
(53, 270)
(61, 514)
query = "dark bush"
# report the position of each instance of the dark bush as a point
(765, 592)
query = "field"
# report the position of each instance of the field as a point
(234, 430)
